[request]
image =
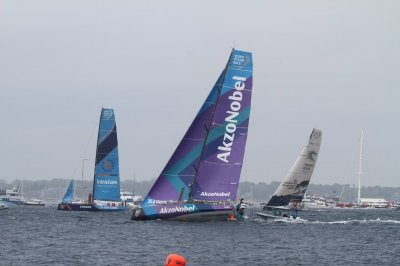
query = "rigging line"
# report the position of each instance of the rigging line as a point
(350, 167)
(224, 164)
(85, 150)
(97, 146)
(194, 139)
(209, 126)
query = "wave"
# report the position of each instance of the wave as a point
(354, 221)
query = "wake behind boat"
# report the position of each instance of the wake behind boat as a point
(106, 181)
(201, 179)
(287, 198)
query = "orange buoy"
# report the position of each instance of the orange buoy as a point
(175, 260)
(232, 217)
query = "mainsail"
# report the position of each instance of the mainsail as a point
(106, 184)
(221, 161)
(180, 170)
(293, 187)
(183, 176)
(69, 193)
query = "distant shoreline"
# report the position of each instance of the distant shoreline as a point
(54, 189)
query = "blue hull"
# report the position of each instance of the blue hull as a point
(89, 207)
(184, 212)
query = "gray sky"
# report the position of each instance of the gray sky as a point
(333, 65)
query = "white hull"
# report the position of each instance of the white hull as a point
(270, 217)
(267, 216)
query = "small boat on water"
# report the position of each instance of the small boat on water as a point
(3, 206)
(106, 181)
(200, 181)
(287, 199)
(35, 202)
(11, 196)
(131, 201)
(14, 197)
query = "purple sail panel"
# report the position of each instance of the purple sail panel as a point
(179, 172)
(221, 163)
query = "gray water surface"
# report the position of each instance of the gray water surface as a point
(45, 236)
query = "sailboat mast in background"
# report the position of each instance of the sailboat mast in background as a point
(360, 168)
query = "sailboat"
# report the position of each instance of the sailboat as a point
(106, 181)
(200, 181)
(367, 202)
(291, 191)
(3, 206)
(69, 194)
(130, 199)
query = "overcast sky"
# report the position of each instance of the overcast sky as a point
(333, 65)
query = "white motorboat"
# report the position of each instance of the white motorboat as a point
(11, 196)
(131, 201)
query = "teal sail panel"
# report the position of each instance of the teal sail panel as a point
(173, 183)
(106, 184)
(69, 193)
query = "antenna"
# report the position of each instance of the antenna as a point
(359, 168)
(134, 181)
(83, 166)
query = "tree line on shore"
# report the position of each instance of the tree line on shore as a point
(53, 190)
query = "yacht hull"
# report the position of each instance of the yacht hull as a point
(88, 207)
(184, 212)
(271, 217)
(11, 202)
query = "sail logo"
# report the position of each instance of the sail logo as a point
(153, 201)
(215, 194)
(107, 114)
(301, 188)
(176, 209)
(107, 165)
(312, 155)
(230, 128)
(106, 182)
(240, 60)
(316, 134)
(290, 185)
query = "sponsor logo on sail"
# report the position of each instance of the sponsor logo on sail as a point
(107, 114)
(107, 165)
(288, 186)
(241, 61)
(215, 194)
(312, 155)
(316, 134)
(153, 201)
(106, 182)
(231, 119)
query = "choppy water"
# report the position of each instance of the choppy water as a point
(45, 236)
